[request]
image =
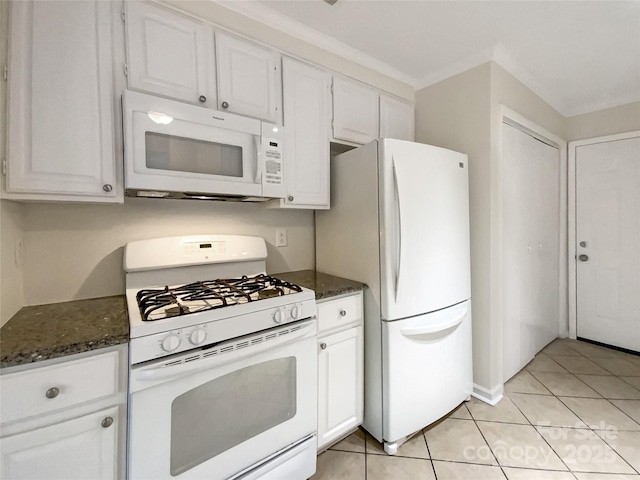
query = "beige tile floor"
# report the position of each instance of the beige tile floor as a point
(572, 413)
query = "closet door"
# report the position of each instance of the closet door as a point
(531, 246)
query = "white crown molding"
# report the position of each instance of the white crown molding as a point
(456, 68)
(263, 14)
(603, 105)
(503, 58)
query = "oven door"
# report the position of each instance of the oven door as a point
(210, 415)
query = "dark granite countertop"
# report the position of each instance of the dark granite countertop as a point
(50, 331)
(323, 284)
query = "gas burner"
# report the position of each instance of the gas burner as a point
(158, 304)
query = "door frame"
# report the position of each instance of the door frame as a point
(572, 261)
(516, 120)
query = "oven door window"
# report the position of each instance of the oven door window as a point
(227, 411)
(169, 152)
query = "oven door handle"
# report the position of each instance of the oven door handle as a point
(163, 372)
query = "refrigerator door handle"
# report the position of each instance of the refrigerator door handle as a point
(398, 230)
(438, 327)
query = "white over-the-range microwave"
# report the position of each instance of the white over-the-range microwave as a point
(177, 150)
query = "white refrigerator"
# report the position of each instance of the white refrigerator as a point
(399, 222)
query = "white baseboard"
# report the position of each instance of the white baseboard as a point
(491, 397)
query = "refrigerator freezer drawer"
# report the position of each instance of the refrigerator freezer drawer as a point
(427, 368)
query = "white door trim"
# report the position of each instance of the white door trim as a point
(513, 118)
(573, 316)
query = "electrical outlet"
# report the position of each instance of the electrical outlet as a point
(19, 253)
(281, 237)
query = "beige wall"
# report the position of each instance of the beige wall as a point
(621, 119)
(11, 272)
(228, 19)
(455, 114)
(74, 251)
(463, 113)
(509, 91)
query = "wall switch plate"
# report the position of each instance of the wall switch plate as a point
(281, 237)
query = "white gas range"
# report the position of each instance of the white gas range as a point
(223, 362)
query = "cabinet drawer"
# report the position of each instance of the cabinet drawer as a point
(47, 389)
(338, 313)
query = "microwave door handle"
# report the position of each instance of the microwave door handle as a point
(259, 159)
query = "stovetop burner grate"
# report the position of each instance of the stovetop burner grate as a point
(158, 304)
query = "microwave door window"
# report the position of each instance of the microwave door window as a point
(188, 155)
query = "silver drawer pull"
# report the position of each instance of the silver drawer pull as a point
(52, 392)
(343, 313)
(323, 346)
(107, 422)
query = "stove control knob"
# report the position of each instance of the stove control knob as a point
(280, 315)
(170, 343)
(295, 312)
(197, 336)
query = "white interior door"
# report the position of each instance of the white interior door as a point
(608, 242)
(531, 246)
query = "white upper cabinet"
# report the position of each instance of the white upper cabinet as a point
(170, 54)
(248, 79)
(355, 112)
(60, 136)
(306, 120)
(396, 119)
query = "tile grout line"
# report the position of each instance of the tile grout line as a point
(544, 439)
(433, 467)
(487, 443)
(588, 428)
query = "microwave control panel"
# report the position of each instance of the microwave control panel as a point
(272, 161)
(273, 158)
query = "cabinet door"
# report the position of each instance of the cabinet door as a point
(170, 54)
(340, 384)
(247, 78)
(60, 99)
(306, 120)
(82, 448)
(396, 119)
(355, 112)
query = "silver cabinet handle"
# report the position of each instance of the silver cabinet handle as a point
(107, 188)
(323, 346)
(202, 98)
(583, 244)
(225, 105)
(290, 198)
(52, 392)
(343, 313)
(107, 422)
(583, 257)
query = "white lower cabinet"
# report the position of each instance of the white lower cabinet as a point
(82, 448)
(340, 368)
(69, 419)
